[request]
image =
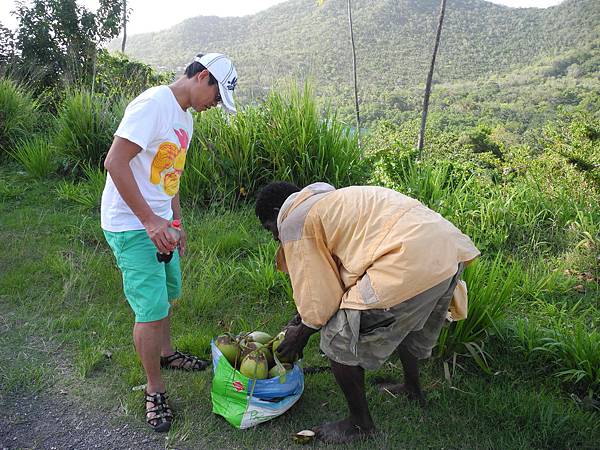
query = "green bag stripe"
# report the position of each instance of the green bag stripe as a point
(226, 399)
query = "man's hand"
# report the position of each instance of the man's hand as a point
(157, 227)
(296, 320)
(182, 241)
(296, 338)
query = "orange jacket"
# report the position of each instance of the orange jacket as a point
(363, 247)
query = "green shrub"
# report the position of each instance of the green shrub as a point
(85, 127)
(526, 212)
(117, 75)
(576, 137)
(36, 155)
(18, 115)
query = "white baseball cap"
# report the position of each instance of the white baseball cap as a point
(221, 67)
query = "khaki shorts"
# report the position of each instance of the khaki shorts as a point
(368, 338)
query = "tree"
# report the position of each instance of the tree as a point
(58, 39)
(7, 46)
(429, 78)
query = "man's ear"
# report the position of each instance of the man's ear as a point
(202, 74)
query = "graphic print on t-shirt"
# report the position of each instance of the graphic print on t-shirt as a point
(168, 163)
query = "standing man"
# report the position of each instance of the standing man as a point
(375, 272)
(141, 197)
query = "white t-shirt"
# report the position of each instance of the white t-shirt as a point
(155, 122)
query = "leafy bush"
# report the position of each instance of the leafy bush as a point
(18, 115)
(525, 207)
(117, 75)
(576, 137)
(85, 127)
(36, 155)
(478, 140)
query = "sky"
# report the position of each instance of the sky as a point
(155, 15)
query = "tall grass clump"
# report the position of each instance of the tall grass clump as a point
(36, 155)
(286, 138)
(490, 285)
(86, 193)
(264, 280)
(85, 127)
(575, 354)
(18, 115)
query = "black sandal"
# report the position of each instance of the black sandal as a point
(162, 416)
(186, 362)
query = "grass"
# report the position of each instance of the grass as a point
(86, 193)
(490, 285)
(63, 309)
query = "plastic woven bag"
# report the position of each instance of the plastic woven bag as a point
(245, 402)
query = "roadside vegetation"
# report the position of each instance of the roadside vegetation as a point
(527, 356)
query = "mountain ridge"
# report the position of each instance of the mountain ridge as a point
(297, 39)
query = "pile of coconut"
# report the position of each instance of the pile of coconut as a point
(254, 354)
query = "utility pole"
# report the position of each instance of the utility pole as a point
(429, 79)
(354, 71)
(124, 26)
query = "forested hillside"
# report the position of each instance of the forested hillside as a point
(393, 38)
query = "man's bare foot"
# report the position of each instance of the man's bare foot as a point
(342, 431)
(395, 388)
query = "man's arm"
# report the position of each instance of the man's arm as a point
(315, 281)
(176, 207)
(317, 292)
(121, 152)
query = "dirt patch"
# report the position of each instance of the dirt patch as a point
(49, 421)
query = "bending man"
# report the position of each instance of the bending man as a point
(374, 271)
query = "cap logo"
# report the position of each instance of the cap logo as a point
(232, 83)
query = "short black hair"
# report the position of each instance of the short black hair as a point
(271, 198)
(195, 67)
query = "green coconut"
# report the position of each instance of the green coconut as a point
(229, 347)
(249, 346)
(255, 366)
(260, 336)
(278, 340)
(268, 354)
(278, 371)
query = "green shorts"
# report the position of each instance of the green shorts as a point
(149, 285)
